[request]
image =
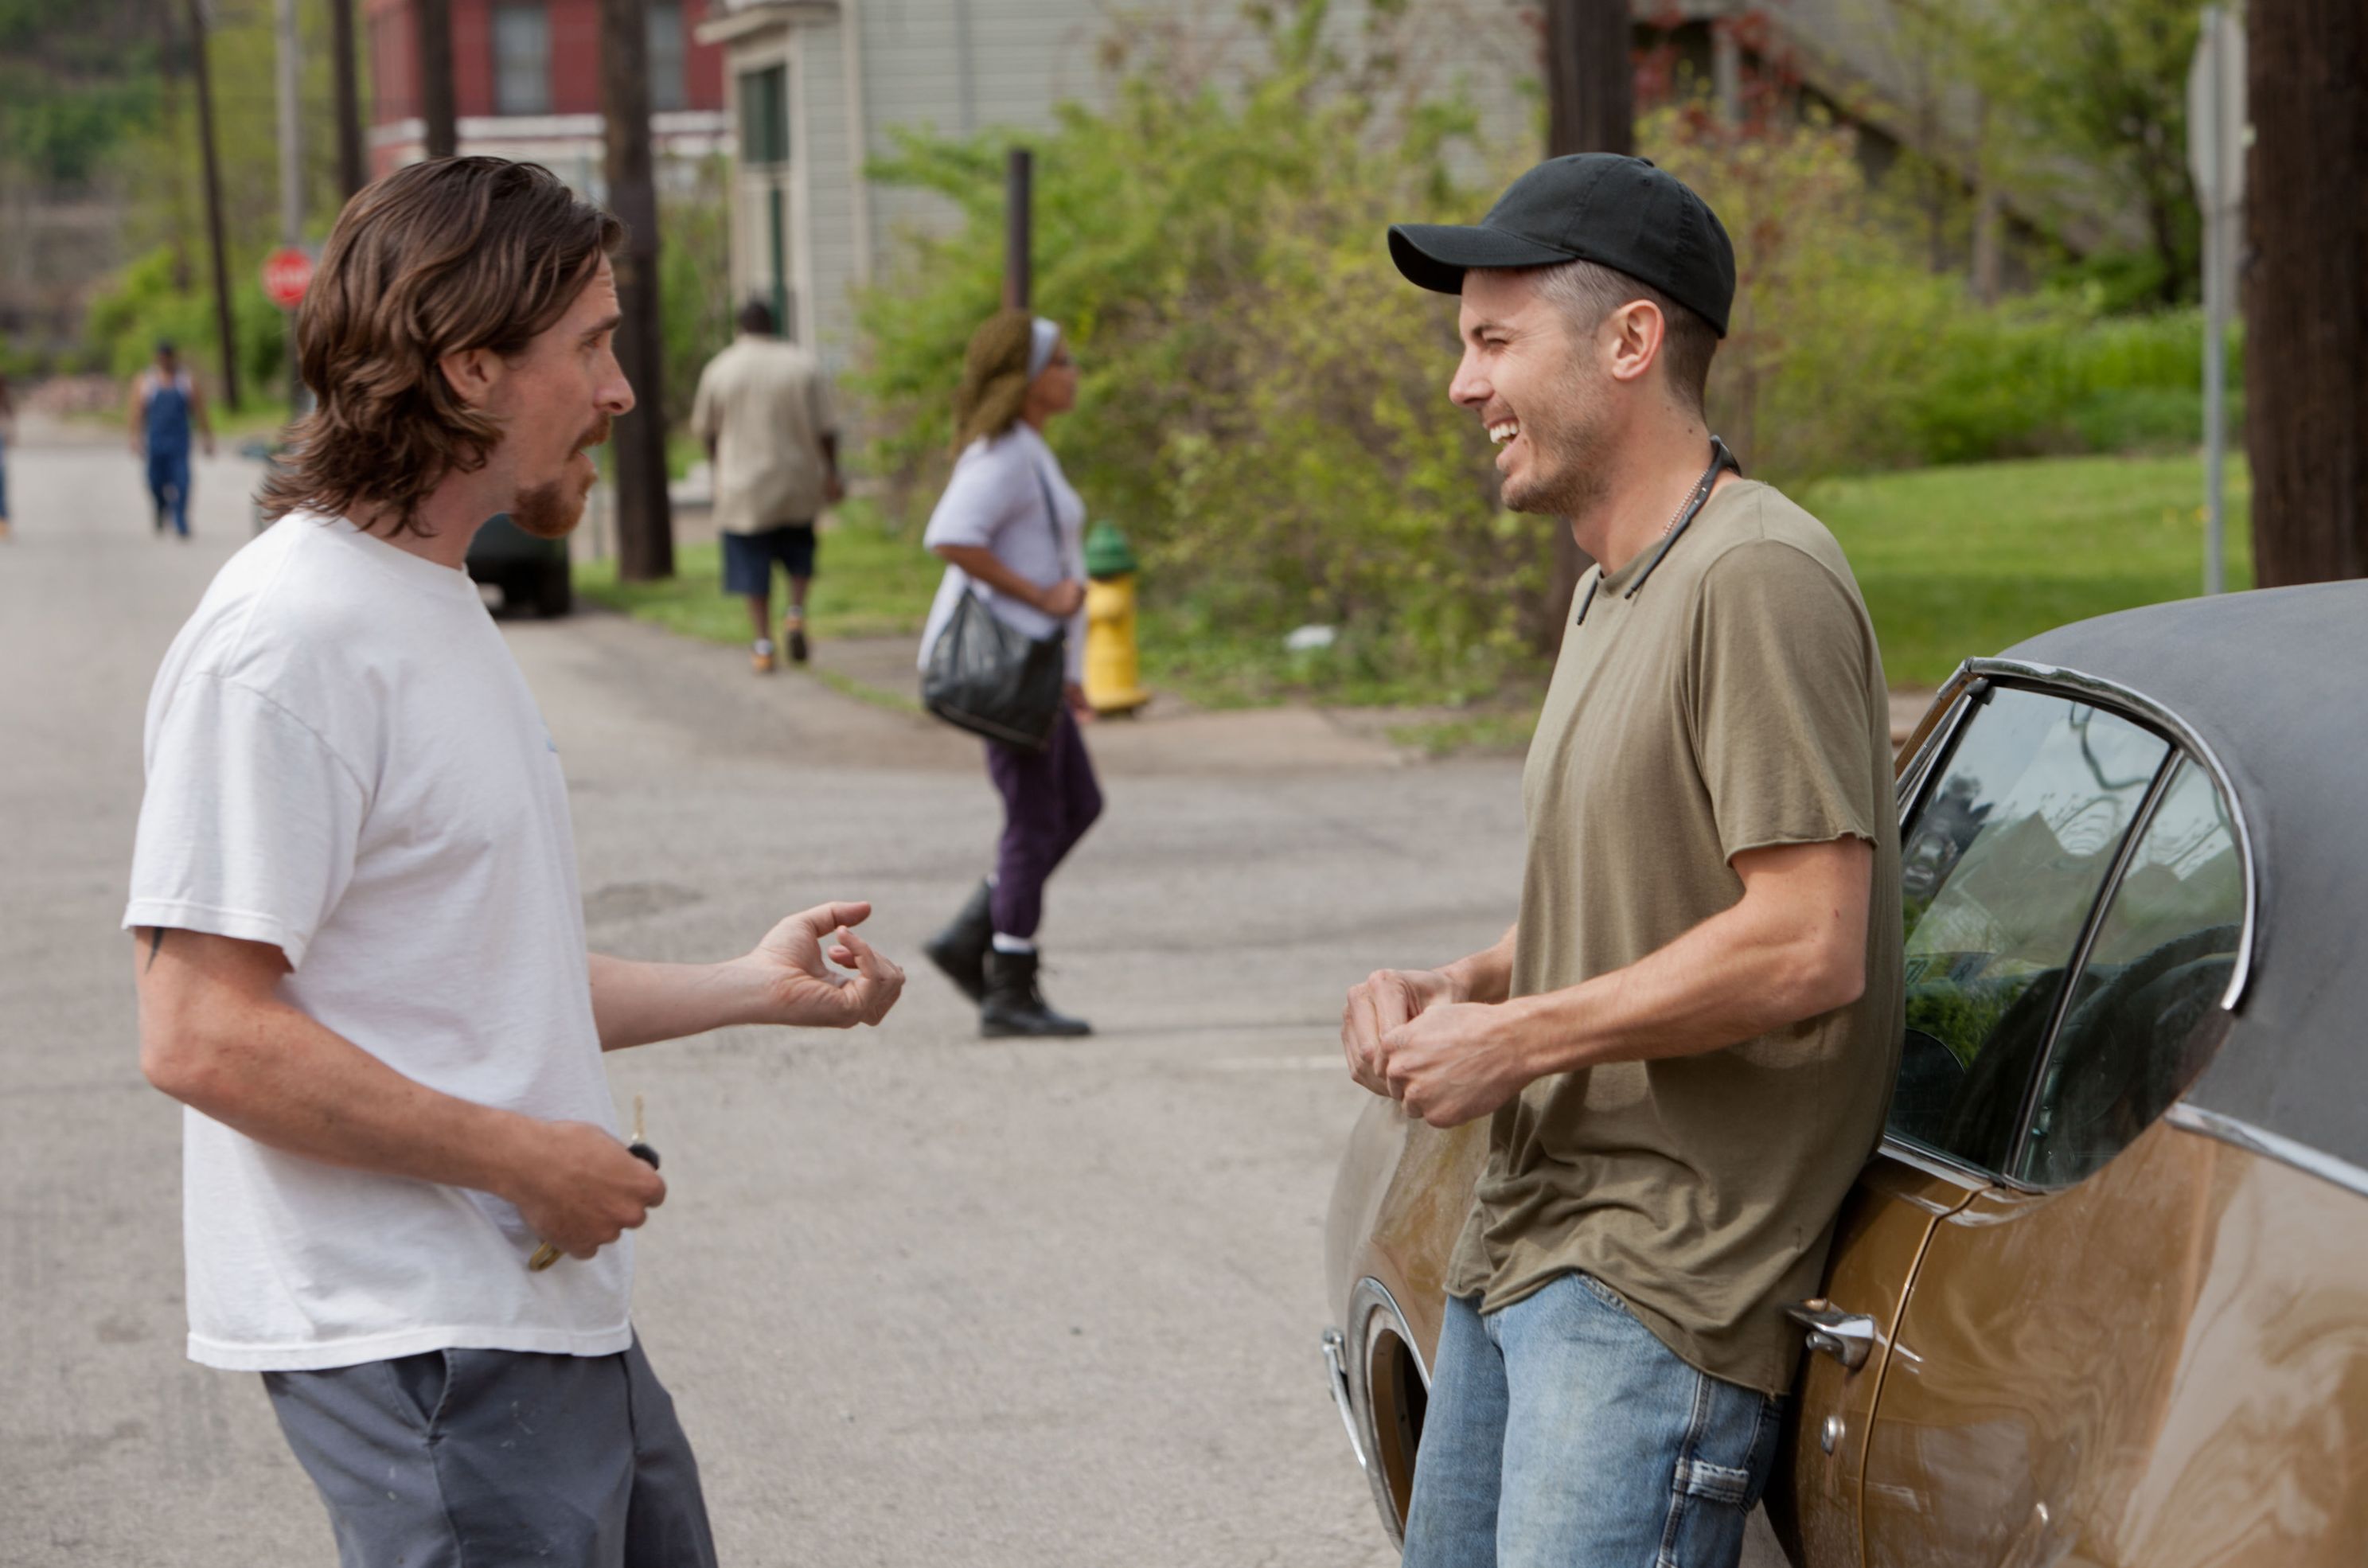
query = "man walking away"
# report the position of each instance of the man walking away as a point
(1688, 1039)
(764, 411)
(359, 938)
(165, 403)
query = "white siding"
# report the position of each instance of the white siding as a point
(1025, 56)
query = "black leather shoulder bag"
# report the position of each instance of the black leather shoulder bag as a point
(993, 680)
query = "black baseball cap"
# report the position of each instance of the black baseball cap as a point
(1616, 212)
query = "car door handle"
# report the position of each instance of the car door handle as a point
(1845, 1336)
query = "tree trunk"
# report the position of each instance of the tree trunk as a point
(2306, 311)
(645, 519)
(1590, 107)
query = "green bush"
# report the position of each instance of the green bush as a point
(154, 297)
(1263, 404)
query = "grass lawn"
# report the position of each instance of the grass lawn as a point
(1953, 562)
(1965, 561)
(868, 582)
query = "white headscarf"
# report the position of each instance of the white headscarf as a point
(1044, 336)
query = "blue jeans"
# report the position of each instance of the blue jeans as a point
(1562, 1432)
(168, 482)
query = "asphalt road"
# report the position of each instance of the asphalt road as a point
(921, 1299)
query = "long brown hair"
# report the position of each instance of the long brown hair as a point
(437, 258)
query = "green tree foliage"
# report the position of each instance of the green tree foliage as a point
(2102, 84)
(1264, 402)
(695, 309)
(74, 81)
(1264, 398)
(154, 298)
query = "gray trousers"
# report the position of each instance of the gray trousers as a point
(466, 1459)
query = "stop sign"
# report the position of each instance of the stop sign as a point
(287, 273)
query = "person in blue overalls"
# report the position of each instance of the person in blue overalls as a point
(165, 405)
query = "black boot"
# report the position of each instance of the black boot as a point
(1014, 1005)
(961, 949)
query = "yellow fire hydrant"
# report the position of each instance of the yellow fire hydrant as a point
(1114, 670)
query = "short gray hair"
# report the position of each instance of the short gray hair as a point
(1586, 292)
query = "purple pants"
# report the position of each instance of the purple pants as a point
(1050, 798)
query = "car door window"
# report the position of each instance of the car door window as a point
(2149, 1015)
(1999, 873)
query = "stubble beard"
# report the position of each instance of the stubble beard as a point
(1569, 473)
(553, 510)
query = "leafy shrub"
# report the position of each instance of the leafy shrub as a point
(154, 298)
(1264, 403)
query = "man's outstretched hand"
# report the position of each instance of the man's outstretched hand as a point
(801, 986)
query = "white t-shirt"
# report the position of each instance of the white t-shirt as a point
(345, 761)
(996, 498)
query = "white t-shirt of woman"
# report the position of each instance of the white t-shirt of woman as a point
(995, 500)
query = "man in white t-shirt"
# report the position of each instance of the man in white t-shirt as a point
(361, 944)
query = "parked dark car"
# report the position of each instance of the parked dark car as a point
(528, 570)
(2100, 1298)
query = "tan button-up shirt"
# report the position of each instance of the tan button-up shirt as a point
(767, 406)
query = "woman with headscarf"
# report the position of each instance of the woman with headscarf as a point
(1010, 530)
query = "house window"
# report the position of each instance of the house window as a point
(765, 116)
(521, 59)
(664, 56)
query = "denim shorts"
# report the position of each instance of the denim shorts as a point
(1561, 1431)
(748, 558)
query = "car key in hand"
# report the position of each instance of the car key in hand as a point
(546, 1254)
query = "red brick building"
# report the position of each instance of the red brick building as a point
(527, 80)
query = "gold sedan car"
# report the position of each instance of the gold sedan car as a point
(2100, 1298)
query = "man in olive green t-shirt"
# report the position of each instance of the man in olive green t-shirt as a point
(1688, 1040)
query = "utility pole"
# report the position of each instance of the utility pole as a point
(291, 176)
(439, 111)
(222, 328)
(1019, 218)
(350, 175)
(1590, 107)
(644, 518)
(2306, 325)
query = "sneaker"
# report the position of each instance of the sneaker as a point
(760, 658)
(793, 633)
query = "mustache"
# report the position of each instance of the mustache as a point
(597, 436)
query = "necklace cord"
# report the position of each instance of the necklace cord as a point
(1721, 458)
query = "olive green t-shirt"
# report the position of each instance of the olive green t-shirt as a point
(1736, 702)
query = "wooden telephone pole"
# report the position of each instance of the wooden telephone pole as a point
(2306, 321)
(644, 516)
(224, 328)
(350, 175)
(1590, 107)
(438, 108)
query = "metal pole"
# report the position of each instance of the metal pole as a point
(222, 324)
(1017, 216)
(2216, 321)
